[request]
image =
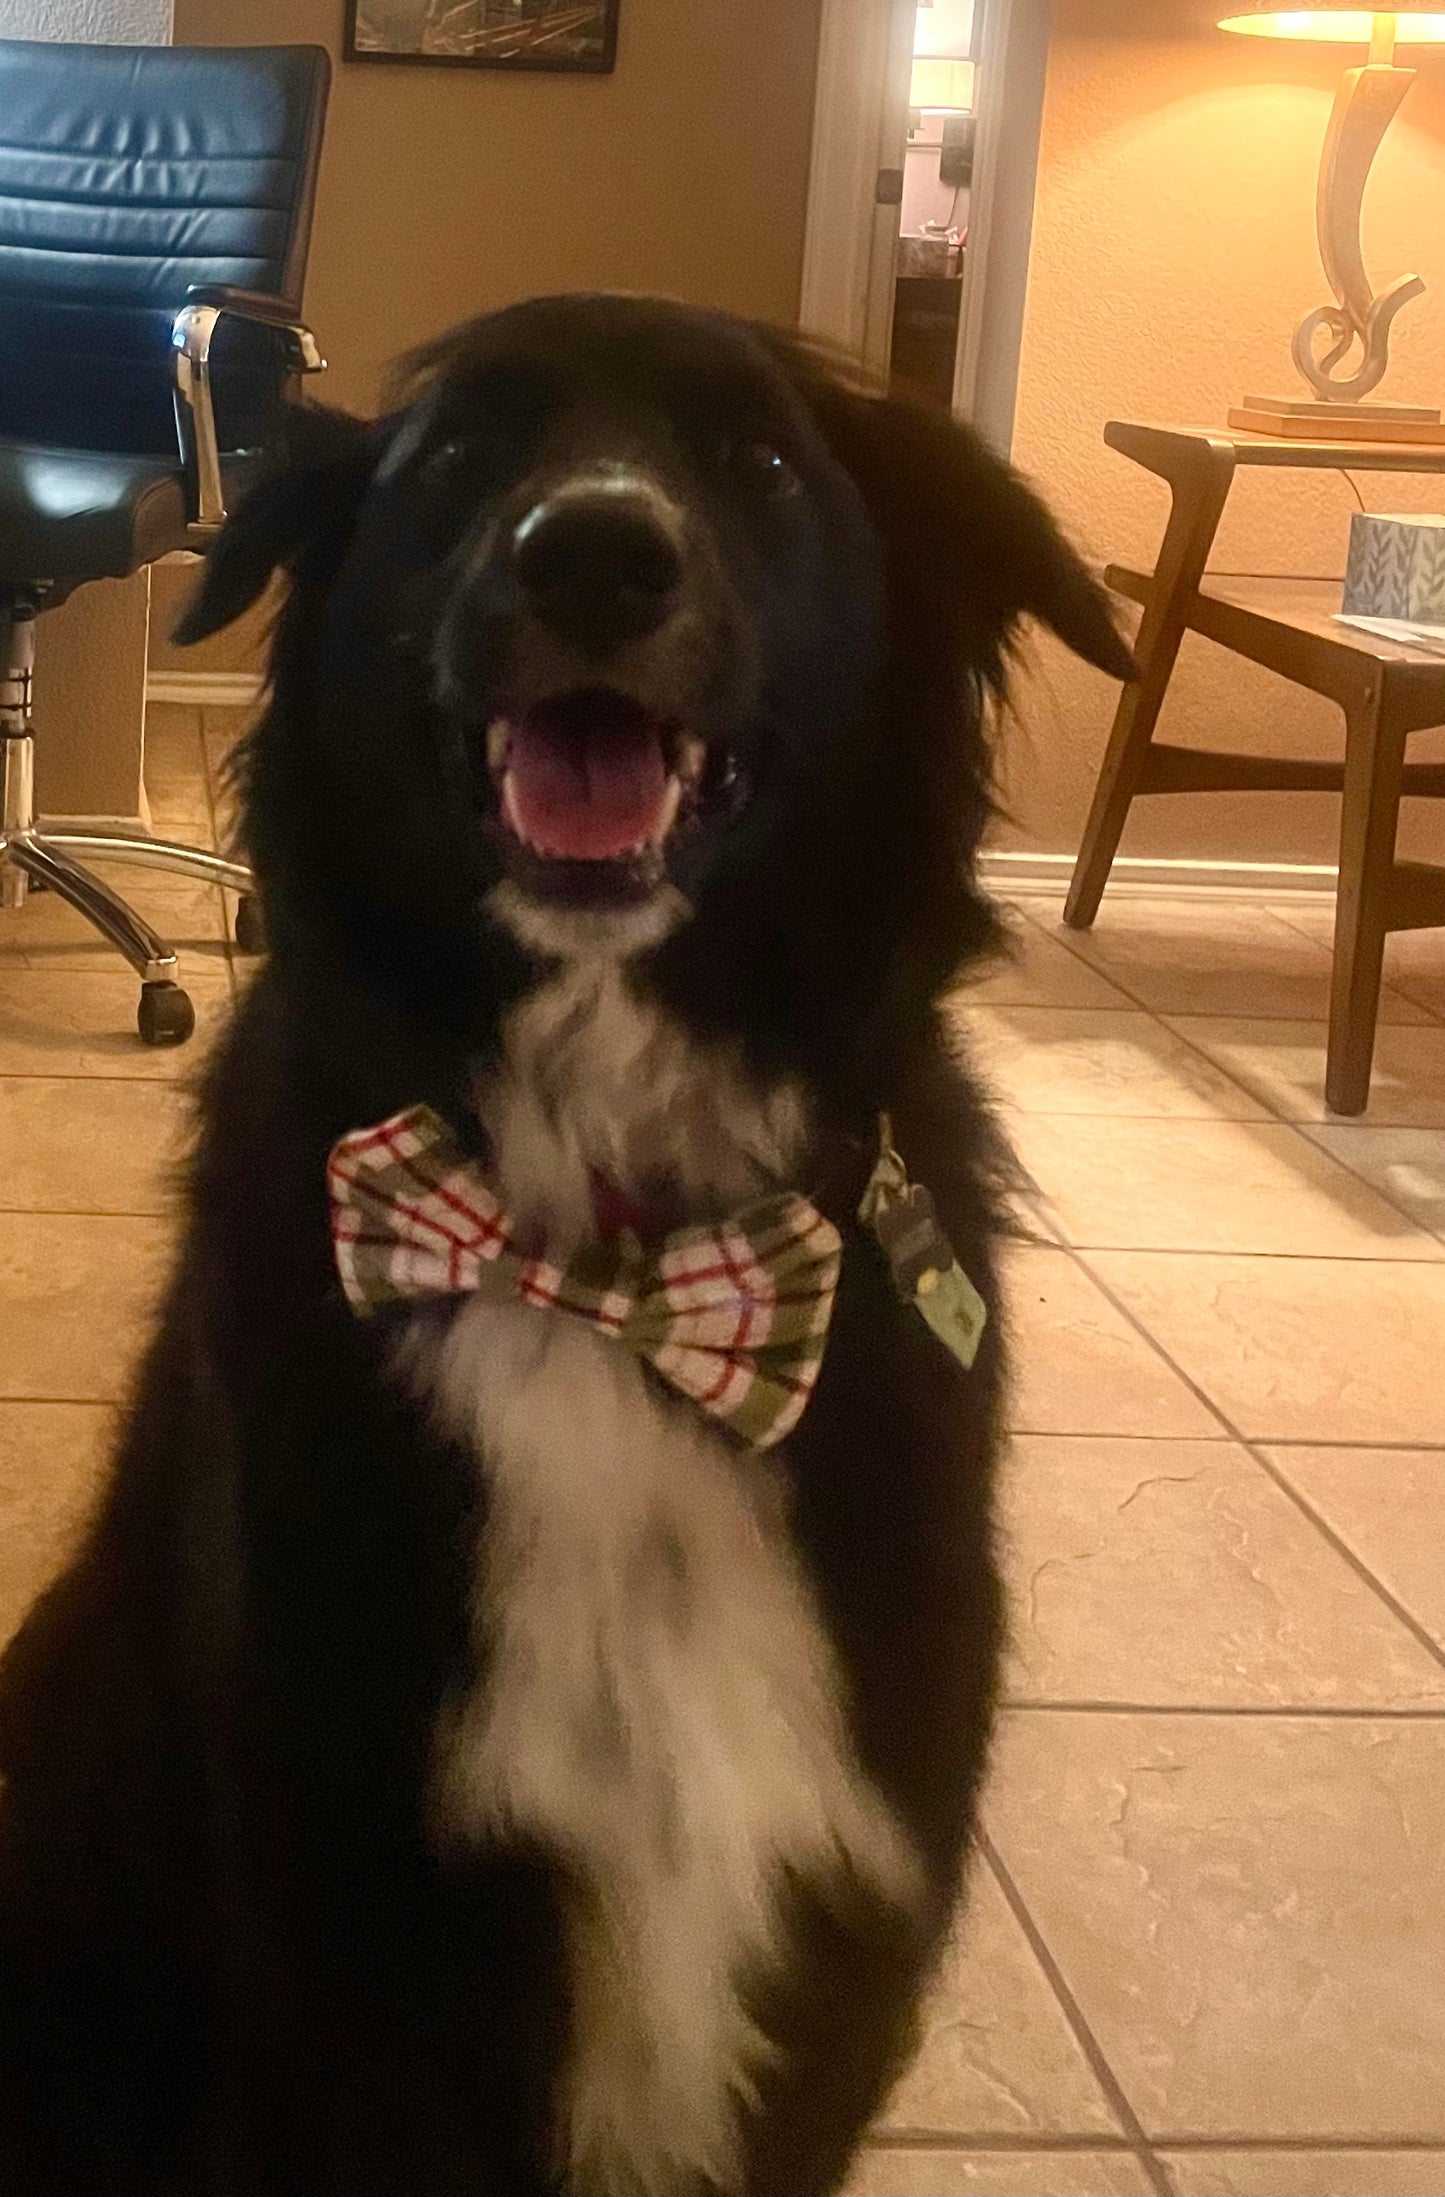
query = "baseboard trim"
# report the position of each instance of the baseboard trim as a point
(1004, 870)
(206, 689)
(109, 827)
(1008, 872)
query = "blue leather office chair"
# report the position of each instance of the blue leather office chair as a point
(155, 213)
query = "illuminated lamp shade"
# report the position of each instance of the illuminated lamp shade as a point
(940, 85)
(1338, 23)
(1342, 350)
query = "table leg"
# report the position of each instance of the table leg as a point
(1201, 486)
(1374, 778)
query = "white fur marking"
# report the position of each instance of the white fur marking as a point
(661, 1709)
(595, 1079)
(589, 933)
(661, 1705)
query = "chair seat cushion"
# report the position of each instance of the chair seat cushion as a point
(68, 515)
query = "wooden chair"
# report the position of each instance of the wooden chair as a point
(1386, 693)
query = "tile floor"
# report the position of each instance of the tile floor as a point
(1204, 1951)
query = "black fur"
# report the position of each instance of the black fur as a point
(230, 1961)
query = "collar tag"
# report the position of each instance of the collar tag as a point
(904, 1222)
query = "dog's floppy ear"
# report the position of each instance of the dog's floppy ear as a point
(299, 513)
(968, 543)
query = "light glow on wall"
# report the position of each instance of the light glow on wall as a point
(1338, 26)
(944, 27)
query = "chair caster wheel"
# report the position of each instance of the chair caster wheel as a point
(165, 1015)
(250, 925)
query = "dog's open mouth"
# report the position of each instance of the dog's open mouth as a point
(591, 787)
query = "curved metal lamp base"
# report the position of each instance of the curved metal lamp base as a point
(1368, 101)
(1359, 324)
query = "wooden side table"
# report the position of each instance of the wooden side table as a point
(1386, 692)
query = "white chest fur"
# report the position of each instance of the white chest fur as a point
(661, 1706)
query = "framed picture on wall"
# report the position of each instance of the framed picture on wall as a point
(485, 34)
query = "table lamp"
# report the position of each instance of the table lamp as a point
(941, 84)
(1343, 350)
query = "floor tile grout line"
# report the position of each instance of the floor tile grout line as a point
(1252, 1448)
(1157, 1014)
(1255, 1712)
(170, 1213)
(1393, 983)
(1381, 1189)
(80, 1403)
(1372, 2144)
(1010, 2141)
(1113, 1115)
(1269, 1441)
(1131, 1003)
(1151, 1342)
(1295, 1441)
(1338, 1542)
(1113, 1434)
(1162, 1017)
(1112, 2089)
(1283, 1258)
(86, 1403)
(45, 1075)
(1015, 2142)
(1296, 1129)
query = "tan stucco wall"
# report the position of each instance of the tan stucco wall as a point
(1173, 255)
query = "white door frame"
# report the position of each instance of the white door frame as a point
(860, 133)
(860, 130)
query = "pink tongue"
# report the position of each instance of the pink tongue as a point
(587, 790)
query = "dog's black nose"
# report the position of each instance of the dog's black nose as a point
(600, 566)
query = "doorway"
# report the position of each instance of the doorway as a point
(938, 170)
(920, 214)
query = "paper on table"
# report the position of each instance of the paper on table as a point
(1400, 630)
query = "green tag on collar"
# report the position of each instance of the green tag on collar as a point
(955, 1311)
(900, 1216)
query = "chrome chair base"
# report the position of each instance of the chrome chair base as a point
(52, 859)
(29, 856)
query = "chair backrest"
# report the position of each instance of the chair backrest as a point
(127, 174)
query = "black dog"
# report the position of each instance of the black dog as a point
(458, 1764)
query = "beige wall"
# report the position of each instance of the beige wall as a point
(1173, 256)
(108, 22)
(90, 673)
(448, 191)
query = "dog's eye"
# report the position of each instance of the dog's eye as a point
(445, 458)
(764, 470)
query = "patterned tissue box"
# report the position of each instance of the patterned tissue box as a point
(1397, 568)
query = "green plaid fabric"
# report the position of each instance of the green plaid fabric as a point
(734, 1315)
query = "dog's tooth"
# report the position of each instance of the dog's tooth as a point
(510, 815)
(499, 738)
(691, 756)
(672, 801)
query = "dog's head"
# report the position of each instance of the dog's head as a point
(631, 615)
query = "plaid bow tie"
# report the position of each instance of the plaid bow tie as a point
(734, 1315)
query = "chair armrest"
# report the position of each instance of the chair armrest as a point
(192, 332)
(266, 312)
